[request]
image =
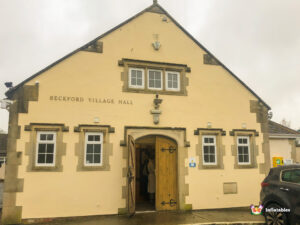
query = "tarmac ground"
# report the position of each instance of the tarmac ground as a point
(203, 217)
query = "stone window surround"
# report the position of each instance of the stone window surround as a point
(252, 145)
(182, 69)
(82, 129)
(31, 146)
(220, 148)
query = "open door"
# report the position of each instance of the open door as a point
(131, 176)
(166, 174)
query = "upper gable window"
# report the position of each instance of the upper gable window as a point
(136, 78)
(155, 80)
(150, 77)
(172, 81)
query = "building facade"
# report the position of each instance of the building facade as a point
(283, 144)
(83, 130)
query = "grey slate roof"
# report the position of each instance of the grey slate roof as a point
(276, 128)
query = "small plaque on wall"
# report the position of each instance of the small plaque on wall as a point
(230, 188)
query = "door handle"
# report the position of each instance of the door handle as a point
(284, 189)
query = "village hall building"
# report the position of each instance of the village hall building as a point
(83, 130)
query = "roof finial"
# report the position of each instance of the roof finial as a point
(154, 2)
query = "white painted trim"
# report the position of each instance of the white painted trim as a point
(161, 77)
(178, 79)
(45, 142)
(293, 136)
(143, 78)
(93, 142)
(237, 150)
(209, 144)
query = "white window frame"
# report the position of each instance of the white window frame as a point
(209, 144)
(166, 82)
(45, 142)
(248, 145)
(161, 77)
(143, 78)
(93, 142)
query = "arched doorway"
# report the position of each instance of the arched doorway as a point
(155, 173)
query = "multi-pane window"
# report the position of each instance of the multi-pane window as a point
(209, 150)
(155, 79)
(292, 176)
(172, 81)
(93, 149)
(136, 78)
(243, 150)
(46, 143)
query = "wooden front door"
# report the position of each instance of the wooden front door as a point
(166, 174)
(131, 176)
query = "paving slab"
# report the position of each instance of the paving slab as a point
(204, 217)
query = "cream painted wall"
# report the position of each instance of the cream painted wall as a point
(280, 148)
(2, 171)
(213, 96)
(297, 154)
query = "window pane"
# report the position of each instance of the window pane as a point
(241, 158)
(50, 148)
(151, 83)
(206, 140)
(139, 82)
(133, 73)
(89, 158)
(157, 76)
(41, 158)
(240, 150)
(43, 137)
(49, 137)
(151, 75)
(175, 78)
(175, 84)
(97, 158)
(42, 148)
(49, 158)
(212, 158)
(246, 150)
(158, 83)
(211, 140)
(97, 138)
(139, 74)
(212, 150)
(97, 148)
(240, 141)
(206, 150)
(245, 141)
(89, 148)
(90, 137)
(170, 84)
(246, 158)
(133, 81)
(206, 158)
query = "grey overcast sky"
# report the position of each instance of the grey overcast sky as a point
(259, 40)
